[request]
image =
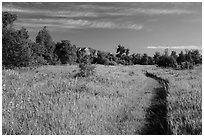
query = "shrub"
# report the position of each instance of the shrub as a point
(103, 61)
(166, 61)
(144, 59)
(85, 68)
(38, 61)
(187, 65)
(123, 62)
(136, 58)
(113, 63)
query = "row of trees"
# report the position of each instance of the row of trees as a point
(19, 51)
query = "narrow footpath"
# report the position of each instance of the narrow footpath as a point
(156, 114)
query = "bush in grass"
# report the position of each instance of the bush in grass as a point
(187, 65)
(112, 63)
(102, 60)
(85, 68)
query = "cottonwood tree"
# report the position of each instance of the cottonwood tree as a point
(181, 58)
(144, 59)
(45, 40)
(167, 61)
(15, 43)
(197, 58)
(136, 58)
(156, 57)
(173, 54)
(8, 19)
(66, 52)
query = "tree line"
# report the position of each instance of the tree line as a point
(19, 51)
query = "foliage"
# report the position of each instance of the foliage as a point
(193, 56)
(102, 58)
(136, 58)
(122, 50)
(187, 65)
(44, 39)
(144, 59)
(181, 57)
(156, 57)
(20, 51)
(8, 19)
(86, 69)
(82, 52)
(166, 61)
(66, 52)
(173, 54)
(15, 48)
(112, 63)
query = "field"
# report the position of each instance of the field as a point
(50, 100)
(115, 100)
(184, 99)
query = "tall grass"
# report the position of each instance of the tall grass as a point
(184, 100)
(51, 101)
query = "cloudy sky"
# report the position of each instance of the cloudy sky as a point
(141, 27)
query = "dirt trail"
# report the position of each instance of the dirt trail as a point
(156, 115)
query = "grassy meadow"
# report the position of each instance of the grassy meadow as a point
(184, 99)
(115, 100)
(50, 100)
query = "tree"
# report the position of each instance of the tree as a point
(16, 51)
(151, 60)
(37, 54)
(144, 59)
(196, 57)
(66, 52)
(181, 58)
(166, 52)
(120, 50)
(173, 54)
(102, 58)
(188, 57)
(167, 61)
(156, 57)
(44, 39)
(136, 58)
(8, 19)
(127, 52)
(15, 44)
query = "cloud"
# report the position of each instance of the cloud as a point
(91, 10)
(47, 12)
(162, 11)
(73, 14)
(76, 23)
(174, 47)
(11, 8)
(88, 15)
(151, 11)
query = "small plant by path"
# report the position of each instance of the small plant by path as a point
(85, 68)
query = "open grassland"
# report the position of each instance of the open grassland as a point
(50, 100)
(184, 99)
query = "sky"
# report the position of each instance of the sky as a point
(142, 27)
